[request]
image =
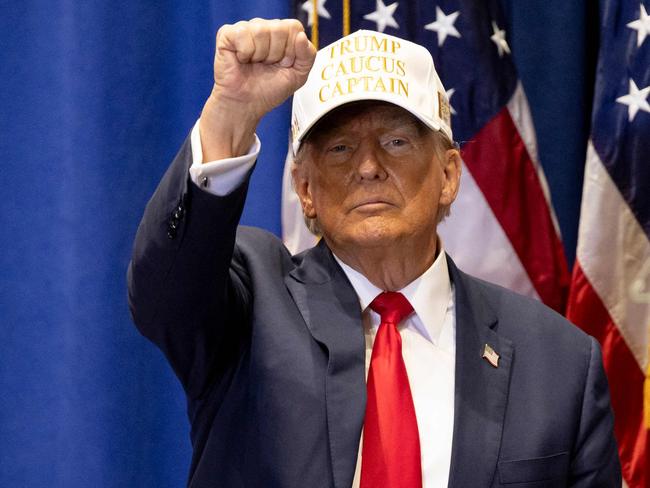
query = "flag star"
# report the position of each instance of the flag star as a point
(383, 16)
(642, 26)
(450, 93)
(308, 7)
(444, 25)
(635, 100)
(499, 38)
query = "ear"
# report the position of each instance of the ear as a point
(300, 177)
(451, 169)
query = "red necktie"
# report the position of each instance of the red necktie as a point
(390, 456)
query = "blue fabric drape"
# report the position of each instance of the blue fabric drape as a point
(95, 98)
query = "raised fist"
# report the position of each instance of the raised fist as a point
(258, 64)
(262, 62)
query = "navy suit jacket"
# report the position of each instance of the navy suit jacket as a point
(270, 351)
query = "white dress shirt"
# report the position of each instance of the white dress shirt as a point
(428, 349)
(428, 335)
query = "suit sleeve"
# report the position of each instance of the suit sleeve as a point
(595, 459)
(184, 293)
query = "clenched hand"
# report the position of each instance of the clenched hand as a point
(258, 64)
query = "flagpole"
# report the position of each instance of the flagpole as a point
(314, 23)
(346, 17)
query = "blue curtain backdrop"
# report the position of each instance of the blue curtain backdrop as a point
(95, 98)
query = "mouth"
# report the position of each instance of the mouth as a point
(372, 205)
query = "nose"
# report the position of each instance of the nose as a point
(369, 166)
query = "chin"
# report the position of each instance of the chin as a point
(371, 233)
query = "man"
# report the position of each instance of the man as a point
(468, 385)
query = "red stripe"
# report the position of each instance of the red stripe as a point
(500, 164)
(625, 378)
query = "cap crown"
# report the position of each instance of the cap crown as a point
(368, 65)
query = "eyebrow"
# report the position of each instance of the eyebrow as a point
(400, 121)
(390, 122)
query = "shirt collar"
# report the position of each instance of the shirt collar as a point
(429, 294)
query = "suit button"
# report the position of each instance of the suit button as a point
(172, 227)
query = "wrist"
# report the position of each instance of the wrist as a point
(227, 127)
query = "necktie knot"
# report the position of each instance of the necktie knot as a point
(392, 306)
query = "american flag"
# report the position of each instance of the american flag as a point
(610, 291)
(502, 227)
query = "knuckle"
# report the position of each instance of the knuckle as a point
(240, 29)
(240, 26)
(294, 24)
(260, 32)
(279, 36)
(274, 24)
(233, 31)
(223, 30)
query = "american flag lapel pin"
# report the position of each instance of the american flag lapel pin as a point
(491, 356)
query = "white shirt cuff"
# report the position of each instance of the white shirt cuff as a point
(222, 176)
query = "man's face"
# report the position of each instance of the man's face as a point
(372, 177)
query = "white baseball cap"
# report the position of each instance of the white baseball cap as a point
(368, 65)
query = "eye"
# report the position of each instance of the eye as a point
(396, 143)
(338, 148)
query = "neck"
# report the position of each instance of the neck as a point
(390, 268)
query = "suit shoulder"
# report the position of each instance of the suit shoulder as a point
(251, 235)
(525, 317)
(258, 246)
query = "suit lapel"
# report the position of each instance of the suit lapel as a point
(330, 308)
(481, 389)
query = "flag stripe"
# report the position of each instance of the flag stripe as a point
(615, 259)
(472, 221)
(523, 120)
(503, 170)
(587, 310)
